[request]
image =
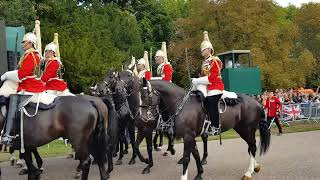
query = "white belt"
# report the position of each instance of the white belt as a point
(30, 77)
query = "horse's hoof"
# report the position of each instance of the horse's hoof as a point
(19, 164)
(70, 156)
(119, 162)
(115, 155)
(125, 151)
(41, 170)
(146, 170)
(198, 177)
(77, 175)
(165, 154)
(257, 169)
(132, 161)
(23, 172)
(158, 149)
(246, 178)
(12, 162)
(180, 161)
(172, 151)
(204, 162)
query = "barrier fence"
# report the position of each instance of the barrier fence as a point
(309, 112)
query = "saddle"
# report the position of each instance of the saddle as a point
(4, 101)
(227, 98)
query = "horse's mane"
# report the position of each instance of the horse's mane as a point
(171, 87)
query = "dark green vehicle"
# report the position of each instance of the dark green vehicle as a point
(238, 74)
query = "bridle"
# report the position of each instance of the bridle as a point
(151, 105)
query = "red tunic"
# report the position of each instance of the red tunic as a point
(273, 105)
(165, 71)
(212, 68)
(27, 73)
(50, 76)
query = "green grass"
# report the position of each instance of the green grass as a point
(58, 148)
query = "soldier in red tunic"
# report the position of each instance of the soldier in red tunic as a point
(29, 83)
(164, 70)
(51, 76)
(273, 106)
(210, 84)
(142, 71)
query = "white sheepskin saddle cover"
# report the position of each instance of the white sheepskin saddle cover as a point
(10, 87)
(228, 94)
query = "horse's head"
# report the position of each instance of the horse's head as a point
(149, 101)
(108, 85)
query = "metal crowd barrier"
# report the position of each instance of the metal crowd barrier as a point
(300, 112)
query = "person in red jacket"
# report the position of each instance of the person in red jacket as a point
(210, 83)
(142, 71)
(26, 76)
(273, 106)
(164, 70)
(51, 75)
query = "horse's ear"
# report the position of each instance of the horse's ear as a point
(144, 82)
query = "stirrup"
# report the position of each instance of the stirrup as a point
(212, 130)
(8, 140)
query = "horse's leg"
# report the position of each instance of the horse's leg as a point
(187, 142)
(131, 129)
(140, 137)
(205, 149)
(149, 148)
(161, 138)
(170, 145)
(121, 137)
(249, 137)
(196, 156)
(38, 158)
(155, 139)
(126, 143)
(33, 174)
(85, 165)
(110, 160)
(99, 159)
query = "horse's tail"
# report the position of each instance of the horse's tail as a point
(98, 146)
(112, 130)
(265, 134)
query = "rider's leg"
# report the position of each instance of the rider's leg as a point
(11, 125)
(212, 108)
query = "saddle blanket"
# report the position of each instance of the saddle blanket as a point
(46, 98)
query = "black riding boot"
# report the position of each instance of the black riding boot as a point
(11, 123)
(212, 108)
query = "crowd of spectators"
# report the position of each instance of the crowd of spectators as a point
(292, 96)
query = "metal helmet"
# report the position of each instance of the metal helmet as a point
(206, 45)
(142, 61)
(160, 53)
(51, 47)
(30, 37)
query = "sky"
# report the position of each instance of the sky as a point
(297, 3)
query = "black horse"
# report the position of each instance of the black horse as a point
(78, 119)
(112, 85)
(129, 82)
(245, 115)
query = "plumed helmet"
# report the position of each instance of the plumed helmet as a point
(30, 37)
(160, 53)
(51, 47)
(142, 61)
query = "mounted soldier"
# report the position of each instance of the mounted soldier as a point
(143, 67)
(164, 70)
(210, 83)
(27, 78)
(52, 75)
